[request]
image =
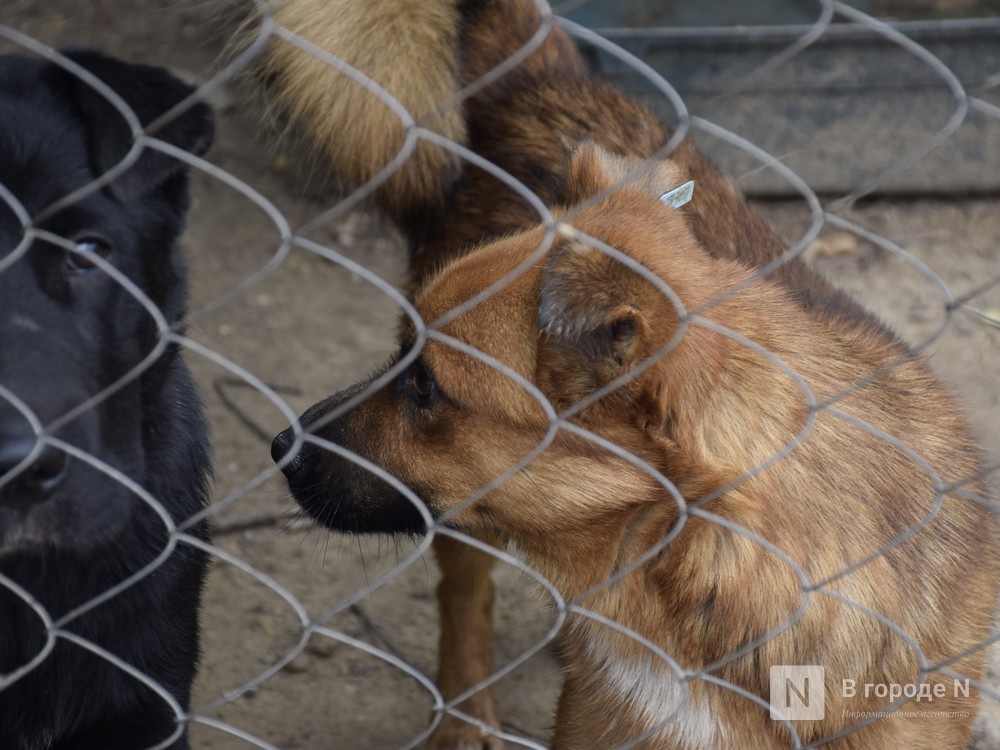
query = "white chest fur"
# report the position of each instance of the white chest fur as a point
(650, 690)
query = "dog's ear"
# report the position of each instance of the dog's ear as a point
(596, 313)
(593, 171)
(150, 92)
(583, 302)
(595, 316)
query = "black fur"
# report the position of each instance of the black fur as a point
(69, 531)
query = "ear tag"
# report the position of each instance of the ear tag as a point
(679, 196)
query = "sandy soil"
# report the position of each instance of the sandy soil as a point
(313, 326)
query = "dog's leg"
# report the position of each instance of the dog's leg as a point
(465, 596)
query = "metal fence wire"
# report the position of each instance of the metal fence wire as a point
(870, 141)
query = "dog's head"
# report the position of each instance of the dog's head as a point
(583, 368)
(69, 329)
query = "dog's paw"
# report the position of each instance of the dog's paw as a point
(455, 734)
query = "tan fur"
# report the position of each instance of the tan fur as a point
(705, 415)
(407, 47)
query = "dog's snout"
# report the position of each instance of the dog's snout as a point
(41, 475)
(280, 447)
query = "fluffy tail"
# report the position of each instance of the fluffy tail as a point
(407, 47)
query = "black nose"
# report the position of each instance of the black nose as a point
(280, 447)
(39, 478)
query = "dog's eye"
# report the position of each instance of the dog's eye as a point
(88, 247)
(420, 384)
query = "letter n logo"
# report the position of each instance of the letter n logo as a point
(797, 692)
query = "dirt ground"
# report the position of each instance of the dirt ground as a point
(312, 326)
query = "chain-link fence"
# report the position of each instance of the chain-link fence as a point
(867, 134)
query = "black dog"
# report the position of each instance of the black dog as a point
(71, 523)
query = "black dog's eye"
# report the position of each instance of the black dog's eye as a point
(88, 247)
(419, 384)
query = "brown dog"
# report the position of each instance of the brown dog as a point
(761, 467)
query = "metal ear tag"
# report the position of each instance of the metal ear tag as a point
(679, 196)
